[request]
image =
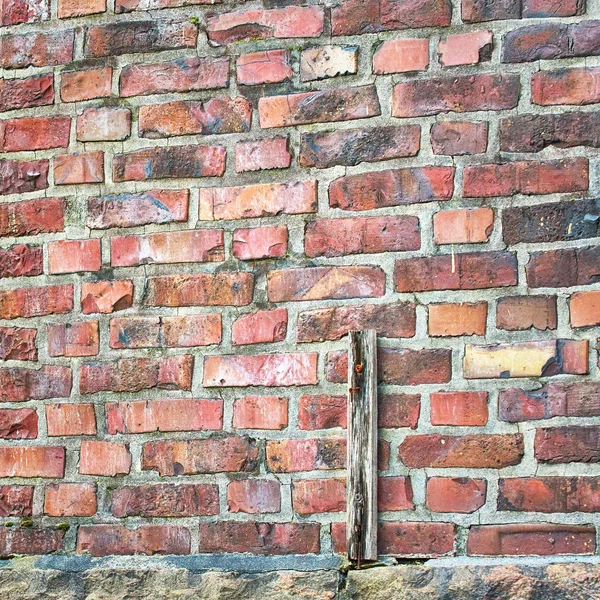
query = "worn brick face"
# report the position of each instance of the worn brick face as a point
(202, 198)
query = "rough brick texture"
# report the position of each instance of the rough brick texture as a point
(200, 198)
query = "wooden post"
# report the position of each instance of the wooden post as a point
(361, 490)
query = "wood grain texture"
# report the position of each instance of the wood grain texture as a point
(362, 447)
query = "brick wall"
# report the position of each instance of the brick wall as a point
(200, 197)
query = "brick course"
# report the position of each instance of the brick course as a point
(198, 203)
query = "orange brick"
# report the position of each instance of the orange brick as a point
(585, 309)
(457, 319)
(459, 408)
(464, 226)
(74, 256)
(400, 56)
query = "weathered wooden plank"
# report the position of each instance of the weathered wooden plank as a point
(361, 528)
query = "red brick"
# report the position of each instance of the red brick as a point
(463, 93)
(467, 409)
(458, 138)
(21, 385)
(70, 419)
(254, 496)
(559, 445)
(268, 539)
(416, 539)
(350, 147)
(260, 412)
(455, 494)
(260, 370)
(26, 93)
(287, 22)
(465, 271)
(197, 245)
(325, 283)
(104, 124)
(401, 56)
(361, 235)
(181, 75)
(24, 11)
(160, 500)
(563, 268)
(189, 457)
(475, 451)
(310, 496)
(106, 296)
(87, 167)
(34, 133)
(463, 226)
(321, 412)
(475, 11)
(466, 48)
(191, 331)
(16, 500)
(259, 155)
(18, 424)
(327, 106)
(216, 116)
(148, 416)
(398, 366)
(18, 343)
(104, 540)
(169, 162)
(74, 339)
(107, 459)
(566, 86)
(580, 399)
(74, 256)
(457, 319)
(260, 242)
(518, 313)
(202, 289)
(532, 133)
(32, 461)
(263, 326)
(548, 8)
(549, 41)
(136, 374)
(527, 359)
(549, 494)
(394, 493)
(70, 500)
(36, 49)
(550, 222)
(36, 301)
(260, 200)
(355, 17)
(323, 62)
(380, 189)
(41, 540)
(143, 208)
(399, 410)
(21, 261)
(32, 217)
(20, 177)
(530, 539)
(269, 66)
(389, 320)
(170, 332)
(86, 85)
(290, 456)
(78, 8)
(585, 309)
(128, 37)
